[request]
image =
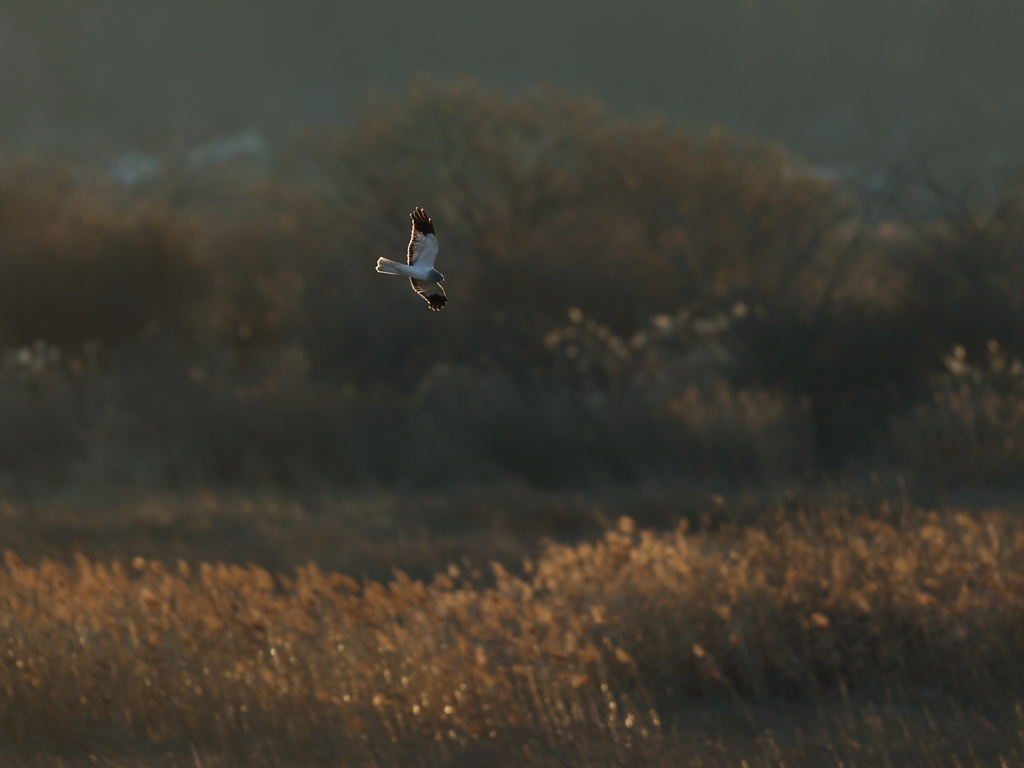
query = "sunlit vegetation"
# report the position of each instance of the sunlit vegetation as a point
(598, 648)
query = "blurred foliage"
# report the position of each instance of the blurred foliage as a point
(971, 428)
(630, 302)
(77, 271)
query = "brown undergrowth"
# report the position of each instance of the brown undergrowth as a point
(593, 646)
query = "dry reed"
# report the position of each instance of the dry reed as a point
(592, 644)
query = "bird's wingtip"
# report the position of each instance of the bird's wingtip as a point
(421, 222)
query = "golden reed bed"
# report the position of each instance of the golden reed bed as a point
(594, 644)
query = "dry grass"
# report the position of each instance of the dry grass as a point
(636, 644)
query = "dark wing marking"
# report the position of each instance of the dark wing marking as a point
(422, 227)
(432, 292)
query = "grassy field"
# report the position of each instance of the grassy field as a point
(825, 632)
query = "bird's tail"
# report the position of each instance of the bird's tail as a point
(389, 267)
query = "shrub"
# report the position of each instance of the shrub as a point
(970, 427)
(77, 268)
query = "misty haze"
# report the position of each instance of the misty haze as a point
(838, 82)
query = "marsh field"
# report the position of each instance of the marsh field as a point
(714, 458)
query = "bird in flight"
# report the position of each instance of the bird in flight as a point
(426, 280)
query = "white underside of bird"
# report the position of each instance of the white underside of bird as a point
(420, 256)
(415, 271)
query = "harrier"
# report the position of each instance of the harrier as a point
(426, 280)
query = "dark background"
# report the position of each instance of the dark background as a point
(863, 82)
(687, 244)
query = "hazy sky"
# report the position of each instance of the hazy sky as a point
(838, 80)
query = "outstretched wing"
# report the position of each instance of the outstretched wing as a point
(423, 243)
(432, 292)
